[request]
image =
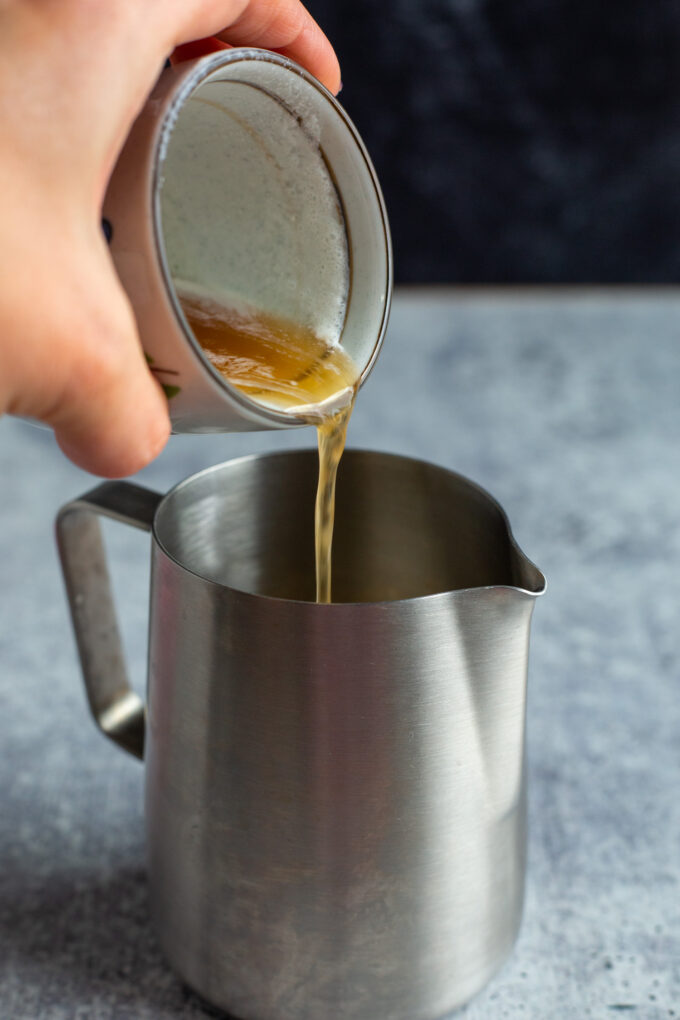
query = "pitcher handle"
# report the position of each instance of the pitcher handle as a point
(118, 711)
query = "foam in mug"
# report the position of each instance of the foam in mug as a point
(288, 367)
(260, 223)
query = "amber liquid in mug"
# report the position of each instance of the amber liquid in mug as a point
(286, 367)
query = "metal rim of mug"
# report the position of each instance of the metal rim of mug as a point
(336, 606)
(204, 68)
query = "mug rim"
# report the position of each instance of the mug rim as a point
(204, 67)
(337, 606)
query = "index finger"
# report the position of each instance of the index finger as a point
(281, 25)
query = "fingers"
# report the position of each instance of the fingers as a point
(288, 28)
(281, 25)
(73, 360)
(119, 432)
(112, 418)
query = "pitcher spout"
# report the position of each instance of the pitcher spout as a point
(527, 578)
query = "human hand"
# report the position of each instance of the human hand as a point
(74, 74)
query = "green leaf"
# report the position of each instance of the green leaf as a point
(171, 391)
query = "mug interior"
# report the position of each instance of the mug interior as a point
(403, 529)
(267, 201)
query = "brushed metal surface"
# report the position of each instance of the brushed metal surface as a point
(117, 709)
(335, 795)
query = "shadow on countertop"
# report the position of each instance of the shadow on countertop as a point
(89, 936)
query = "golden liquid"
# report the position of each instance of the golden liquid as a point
(286, 367)
(332, 434)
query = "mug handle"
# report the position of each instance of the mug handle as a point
(118, 711)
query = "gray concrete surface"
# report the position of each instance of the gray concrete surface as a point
(566, 406)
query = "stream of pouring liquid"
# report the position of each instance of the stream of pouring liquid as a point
(286, 367)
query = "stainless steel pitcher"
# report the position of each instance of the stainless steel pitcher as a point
(335, 794)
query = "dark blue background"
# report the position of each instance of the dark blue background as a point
(533, 141)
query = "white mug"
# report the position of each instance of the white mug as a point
(244, 176)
